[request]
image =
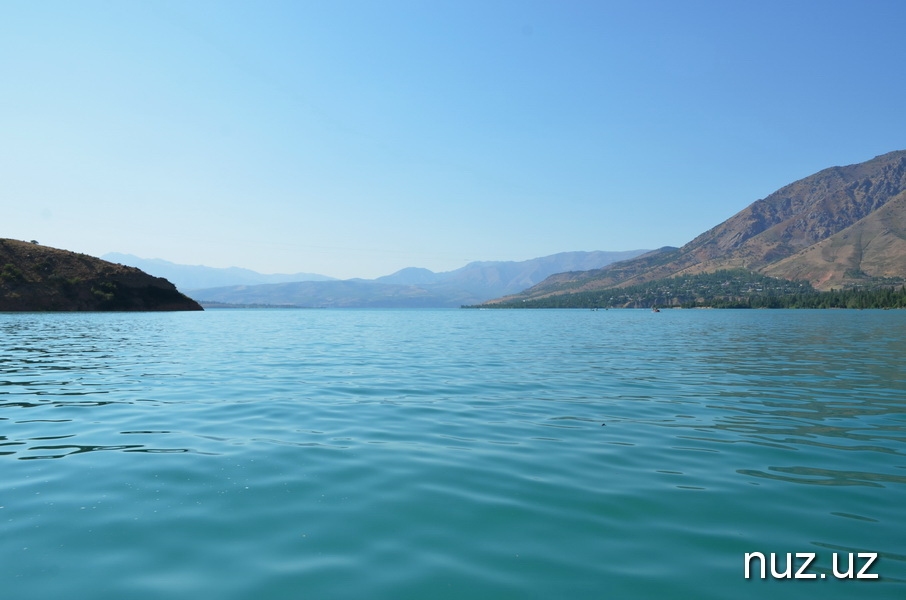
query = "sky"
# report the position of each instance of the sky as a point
(355, 138)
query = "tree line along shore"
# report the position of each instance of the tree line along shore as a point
(722, 289)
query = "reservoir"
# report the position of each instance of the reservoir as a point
(450, 453)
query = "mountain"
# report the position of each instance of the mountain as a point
(873, 247)
(351, 293)
(410, 276)
(414, 287)
(40, 278)
(187, 277)
(494, 278)
(488, 278)
(840, 227)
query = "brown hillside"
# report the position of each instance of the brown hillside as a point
(800, 215)
(873, 247)
(785, 224)
(39, 278)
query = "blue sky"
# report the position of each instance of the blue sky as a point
(353, 139)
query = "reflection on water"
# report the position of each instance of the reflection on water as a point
(814, 476)
(69, 450)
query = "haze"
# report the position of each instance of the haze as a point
(353, 139)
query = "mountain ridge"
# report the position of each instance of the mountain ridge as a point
(412, 287)
(784, 227)
(200, 276)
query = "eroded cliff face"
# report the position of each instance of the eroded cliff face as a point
(39, 278)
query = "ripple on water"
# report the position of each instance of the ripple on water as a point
(447, 453)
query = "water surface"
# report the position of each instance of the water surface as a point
(449, 453)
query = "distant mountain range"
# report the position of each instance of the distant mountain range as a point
(408, 288)
(842, 227)
(839, 228)
(187, 277)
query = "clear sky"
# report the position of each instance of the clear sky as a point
(355, 138)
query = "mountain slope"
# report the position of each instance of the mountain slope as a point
(39, 278)
(791, 220)
(873, 247)
(801, 214)
(490, 279)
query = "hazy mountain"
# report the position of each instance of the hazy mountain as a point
(187, 277)
(40, 278)
(410, 276)
(352, 293)
(486, 278)
(841, 226)
(414, 287)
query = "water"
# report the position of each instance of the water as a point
(449, 453)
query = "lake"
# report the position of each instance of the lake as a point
(452, 454)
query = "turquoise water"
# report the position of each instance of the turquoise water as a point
(449, 453)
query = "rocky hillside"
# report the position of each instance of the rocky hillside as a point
(872, 248)
(39, 278)
(841, 227)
